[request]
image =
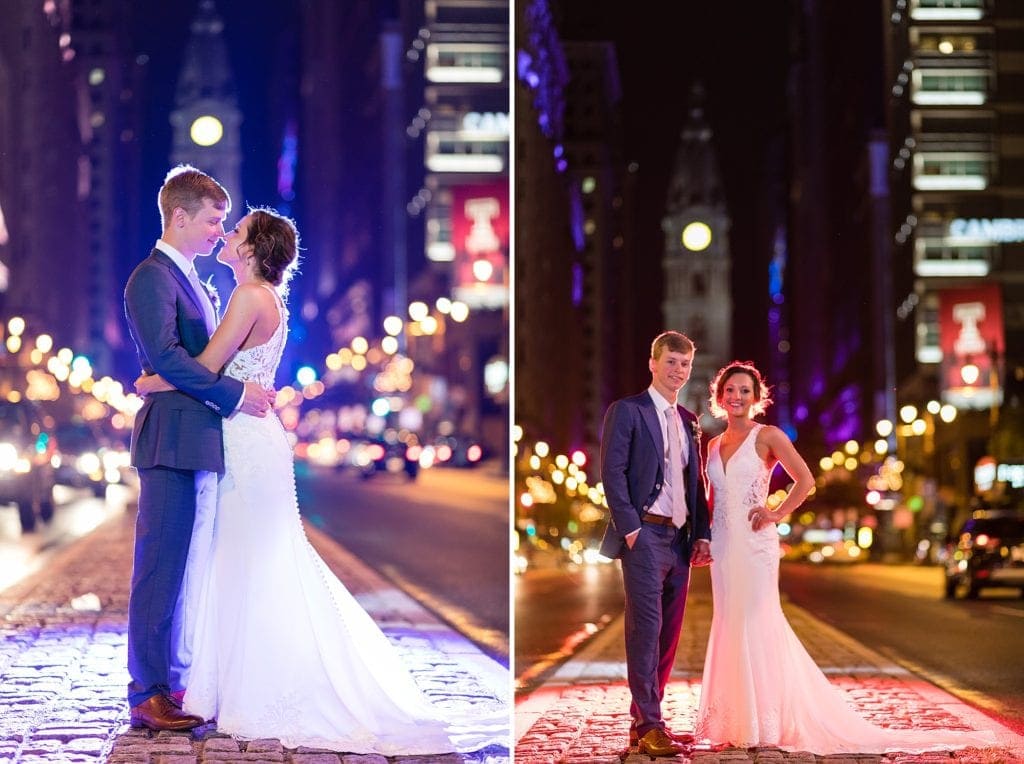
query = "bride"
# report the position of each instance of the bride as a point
(760, 686)
(281, 648)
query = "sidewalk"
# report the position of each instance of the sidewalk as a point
(63, 654)
(581, 713)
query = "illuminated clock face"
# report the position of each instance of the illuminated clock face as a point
(696, 236)
(206, 130)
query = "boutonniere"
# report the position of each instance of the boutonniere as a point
(695, 429)
(212, 293)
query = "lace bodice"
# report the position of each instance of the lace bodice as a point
(259, 364)
(739, 485)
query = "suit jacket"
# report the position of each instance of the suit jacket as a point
(632, 470)
(180, 428)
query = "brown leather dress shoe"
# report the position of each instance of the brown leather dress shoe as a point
(684, 738)
(160, 713)
(656, 742)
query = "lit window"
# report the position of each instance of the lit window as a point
(963, 87)
(947, 10)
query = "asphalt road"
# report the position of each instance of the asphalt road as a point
(444, 539)
(558, 607)
(970, 648)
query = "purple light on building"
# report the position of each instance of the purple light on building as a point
(576, 217)
(287, 161)
(577, 284)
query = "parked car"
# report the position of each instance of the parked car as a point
(89, 457)
(27, 446)
(987, 552)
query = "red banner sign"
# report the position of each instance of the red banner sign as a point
(480, 224)
(972, 341)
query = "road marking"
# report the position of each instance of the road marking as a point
(460, 618)
(1008, 611)
(566, 650)
(950, 685)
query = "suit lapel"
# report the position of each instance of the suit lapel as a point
(181, 278)
(650, 414)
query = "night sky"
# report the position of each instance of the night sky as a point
(740, 54)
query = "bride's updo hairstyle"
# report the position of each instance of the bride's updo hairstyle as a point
(273, 240)
(761, 399)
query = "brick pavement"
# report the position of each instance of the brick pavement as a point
(581, 712)
(63, 654)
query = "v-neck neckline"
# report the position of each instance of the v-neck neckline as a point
(721, 457)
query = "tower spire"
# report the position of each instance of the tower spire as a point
(696, 178)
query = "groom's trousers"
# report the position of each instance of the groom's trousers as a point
(163, 531)
(655, 577)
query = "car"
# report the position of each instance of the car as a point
(384, 456)
(88, 457)
(458, 451)
(987, 552)
(27, 446)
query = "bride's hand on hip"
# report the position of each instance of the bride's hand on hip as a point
(152, 383)
(761, 517)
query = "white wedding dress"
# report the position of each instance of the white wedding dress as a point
(281, 649)
(760, 685)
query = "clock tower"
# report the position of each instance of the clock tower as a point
(697, 262)
(206, 120)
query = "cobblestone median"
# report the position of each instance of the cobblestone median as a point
(581, 713)
(63, 677)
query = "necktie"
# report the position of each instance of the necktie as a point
(204, 300)
(674, 482)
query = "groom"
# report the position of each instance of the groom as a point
(177, 444)
(650, 467)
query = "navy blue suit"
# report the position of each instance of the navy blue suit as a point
(656, 571)
(176, 435)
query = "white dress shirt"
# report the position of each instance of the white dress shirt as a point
(186, 267)
(661, 505)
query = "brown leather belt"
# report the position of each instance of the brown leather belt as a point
(657, 519)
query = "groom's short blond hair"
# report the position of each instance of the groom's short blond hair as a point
(187, 187)
(674, 342)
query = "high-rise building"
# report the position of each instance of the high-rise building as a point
(549, 312)
(464, 203)
(955, 82)
(109, 84)
(595, 169)
(44, 181)
(817, 251)
(573, 270)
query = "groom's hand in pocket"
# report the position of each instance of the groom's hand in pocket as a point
(631, 538)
